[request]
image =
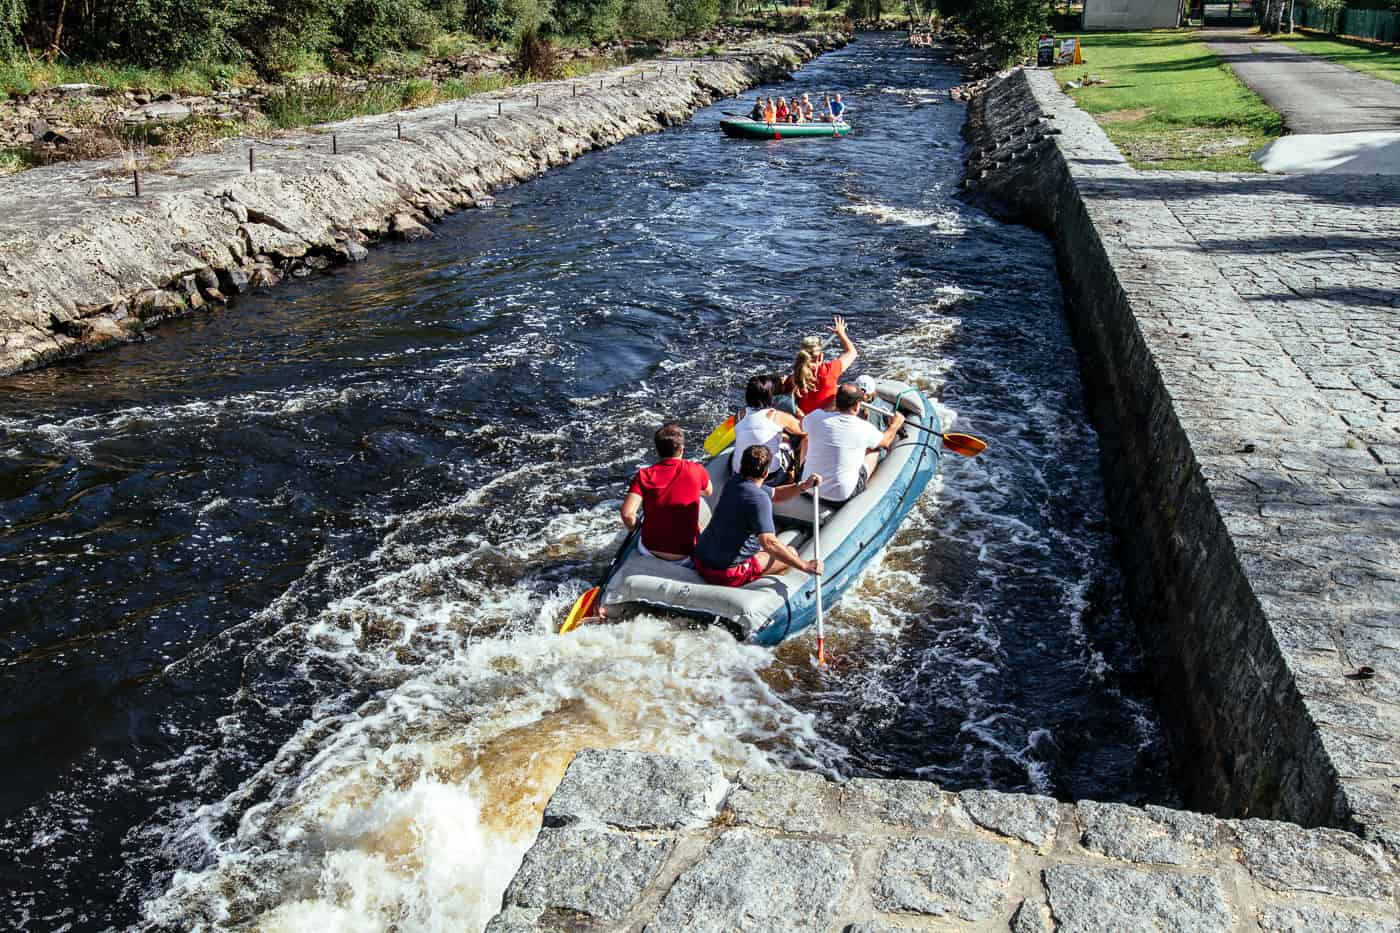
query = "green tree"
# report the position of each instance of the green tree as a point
(12, 16)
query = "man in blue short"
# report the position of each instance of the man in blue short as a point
(740, 544)
(836, 109)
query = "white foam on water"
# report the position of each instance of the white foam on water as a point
(944, 221)
(414, 811)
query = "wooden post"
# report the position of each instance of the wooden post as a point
(456, 121)
(498, 108)
(399, 128)
(537, 100)
(335, 145)
(252, 165)
(136, 177)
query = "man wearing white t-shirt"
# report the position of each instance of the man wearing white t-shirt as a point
(842, 448)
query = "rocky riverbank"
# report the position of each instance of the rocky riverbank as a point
(633, 841)
(86, 263)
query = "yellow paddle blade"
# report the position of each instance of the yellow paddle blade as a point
(964, 444)
(583, 608)
(721, 437)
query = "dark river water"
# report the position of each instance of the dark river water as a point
(278, 585)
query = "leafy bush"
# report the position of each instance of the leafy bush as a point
(646, 19)
(1005, 28)
(536, 56)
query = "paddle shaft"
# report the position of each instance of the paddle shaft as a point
(964, 444)
(817, 556)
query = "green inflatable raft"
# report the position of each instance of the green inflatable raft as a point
(756, 129)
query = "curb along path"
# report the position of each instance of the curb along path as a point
(84, 263)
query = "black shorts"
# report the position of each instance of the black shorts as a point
(860, 488)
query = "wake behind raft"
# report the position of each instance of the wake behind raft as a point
(779, 605)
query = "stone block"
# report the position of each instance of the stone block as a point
(792, 801)
(1274, 919)
(591, 871)
(1151, 834)
(750, 881)
(1083, 899)
(1287, 858)
(1029, 818)
(1031, 917)
(905, 805)
(943, 877)
(633, 790)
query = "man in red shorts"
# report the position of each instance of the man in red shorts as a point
(668, 495)
(740, 544)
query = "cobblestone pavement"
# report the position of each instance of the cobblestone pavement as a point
(1313, 94)
(1271, 308)
(634, 841)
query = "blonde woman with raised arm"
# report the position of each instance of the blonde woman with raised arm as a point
(814, 379)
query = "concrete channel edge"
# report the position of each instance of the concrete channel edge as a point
(1231, 482)
(633, 841)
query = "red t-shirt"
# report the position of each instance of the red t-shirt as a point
(670, 493)
(828, 375)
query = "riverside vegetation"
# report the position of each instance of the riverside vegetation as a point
(155, 79)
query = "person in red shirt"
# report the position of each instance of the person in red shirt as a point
(668, 495)
(813, 381)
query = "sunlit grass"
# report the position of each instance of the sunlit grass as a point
(1170, 103)
(23, 75)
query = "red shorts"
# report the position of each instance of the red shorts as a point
(747, 572)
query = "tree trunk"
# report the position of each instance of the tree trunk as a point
(1271, 19)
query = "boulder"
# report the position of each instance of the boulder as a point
(233, 280)
(163, 111)
(404, 226)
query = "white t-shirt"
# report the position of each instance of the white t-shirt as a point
(836, 446)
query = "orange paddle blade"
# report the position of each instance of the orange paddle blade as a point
(721, 437)
(964, 444)
(583, 608)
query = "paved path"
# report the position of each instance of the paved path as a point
(1314, 95)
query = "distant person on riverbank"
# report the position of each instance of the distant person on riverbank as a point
(843, 447)
(668, 495)
(740, 544)
(758, 110)
(813, 380)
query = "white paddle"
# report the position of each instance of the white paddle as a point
(817, 556)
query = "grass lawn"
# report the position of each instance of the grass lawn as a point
(1169, 103)
(1381, 61)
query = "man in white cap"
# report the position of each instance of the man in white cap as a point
(842, 448)
(866, 384)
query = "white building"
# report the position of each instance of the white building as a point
(1130, 14)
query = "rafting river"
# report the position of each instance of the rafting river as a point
(278, 584)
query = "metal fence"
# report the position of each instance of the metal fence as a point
(1383, 25)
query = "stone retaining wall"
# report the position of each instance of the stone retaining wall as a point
(84, 264)
(633, 841)
(1240, 360)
